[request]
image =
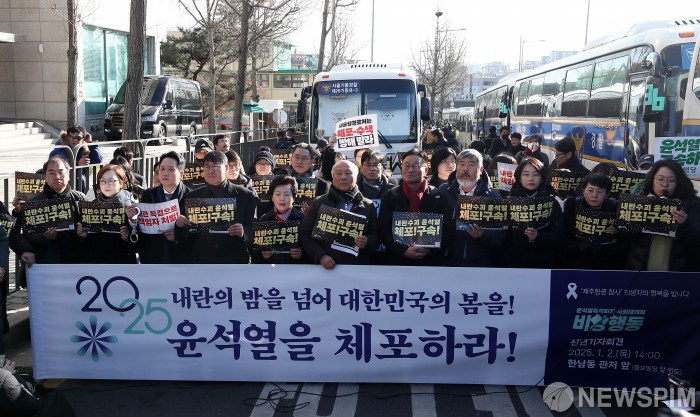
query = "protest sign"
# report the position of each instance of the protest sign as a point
(156, 218)
(643, 214)
(212, 215)
(357, 132)
(99, 217)
(595, 226)
(306, 190)
(532, 212)
(7, 222)
(261, 185)
(565, 182)
(339, 228)
(28, 184)
(41, 215)
(624, 181)
(488, 213)
(193, 176)
(684, 150)
(493, 177)
(283, 157)
(276, 236)
(419, 229)
(506, 176)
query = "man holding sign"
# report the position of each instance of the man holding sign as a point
(303, 169)
(219, 248)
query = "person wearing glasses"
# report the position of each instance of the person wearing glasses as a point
(565, 156)
(372, 181)
(111, 248)
(86, 153)
(414, 195)
(470, 245)
(303, 168)
(666, 179)
(219, 248)
(442, 164)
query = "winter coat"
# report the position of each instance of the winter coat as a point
(280, 258)
(574, 165)
(156, 249)
(109, 248)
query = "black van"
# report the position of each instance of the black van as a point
(170, 107)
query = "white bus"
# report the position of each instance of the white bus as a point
(691, 94)
(388, 90)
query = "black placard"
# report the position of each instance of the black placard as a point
(99, 217)
(193, 175)
(419, 229)
(624, 181)
(7, 222)
(651, 215)
(28, 184)
(306, 190)
(283, 157)
(595, 226)
(276, 236)
(534, 212)
(213, 215)
(339, 228)
(486, 212)
(565, 182)
(41, 215)
(261, 185)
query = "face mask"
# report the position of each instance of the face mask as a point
(533, 146)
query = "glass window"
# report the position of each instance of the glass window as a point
(289, 80)
(264, 80)
(94, 71)
(534, 97)
(521, 98)
(552, 92)
(609, 78)
(576, 91)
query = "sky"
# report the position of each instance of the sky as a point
(494, 28)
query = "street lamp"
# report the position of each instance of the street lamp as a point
(522, 44)
(433, 78)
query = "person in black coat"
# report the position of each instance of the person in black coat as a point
(565, 157)
(303, 168)
(434, 140)
(443, 163)
(164, 249)
(373, 181)
(500, 144)
(345, 195)
(215, 248)
(516, 145)
(533, 248)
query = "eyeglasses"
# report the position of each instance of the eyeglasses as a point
(77, 137)
(110, 181)
(300, 158)
(371, 166)
(665, 180)
(560, 153)
(212, 167)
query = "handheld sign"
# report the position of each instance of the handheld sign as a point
(306, 190)
(493, 178)
(157, 218)
(211, 215)
(534, 212)
(419, 229)
(283, 157)
(624, 181)
(488, 213)
(193, 175)
(684, 150)
(39, 216)
(506, 176)
(595, 226)
(339, 228)
(650, 215)
(7, 222)
(28, 184)
(99, 217)
(565, 182)
(278, 237)
(357, 132)
(261, 185)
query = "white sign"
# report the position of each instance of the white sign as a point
(157, 218)
(506, 176)
(263, 323)
(684, 150)
(357, 132)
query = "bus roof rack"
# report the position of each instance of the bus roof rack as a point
(639, 28)
(366, 65)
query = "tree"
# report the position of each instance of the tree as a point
(185, 51)
(342, 48)
(135, 70)
(330, 7)
(71, 98)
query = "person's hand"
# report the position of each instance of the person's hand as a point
(267, 254)
(132, 211)
(9, 366)
(332, 141)
(416, 252)
(327, 262)
(531, 234)
(28, 258)
(235, 229)
(85, 160)
(475, 231)
(17, 204)
(182, 221)
(80, 231)
(124, 233)
(87, 138)
(295, 253)
(169, 235)
(679, 216)
(361, 241)
(50, 233)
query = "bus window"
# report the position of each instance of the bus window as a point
(534, 98)
(696, 78)
(675, 56)
(609, 78)
(576, 91)
(552, 92)
(521, 98)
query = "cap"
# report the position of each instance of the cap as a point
(647, 159)
(267, 156)
(321, 144)
(203, 144)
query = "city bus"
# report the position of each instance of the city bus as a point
(461, 119)
(388, 90)
(487, 105)
(613, 98)
(691, 110)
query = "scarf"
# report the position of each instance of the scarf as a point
(415, 197)
(123, 197)
(370, 190)
(283, 217)
(345, 198)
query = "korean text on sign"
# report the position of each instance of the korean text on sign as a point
(357, 132)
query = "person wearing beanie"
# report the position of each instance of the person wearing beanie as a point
(565, 156)
(264, 163)
(201, 148)
(442, 164)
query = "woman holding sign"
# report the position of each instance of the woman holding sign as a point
(102, 243)
(666, 179)
(533, 243)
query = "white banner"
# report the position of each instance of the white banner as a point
(506, 176)
(684, 150)
(156, 218)
(357, 132)
(296, 323)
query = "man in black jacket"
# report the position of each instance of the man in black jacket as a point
(210, 248)
(501, 144)
(303, 169)
(565, 157)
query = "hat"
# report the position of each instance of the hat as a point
(202, 144)
(438, 156)
(647, 159)
(267, 156)
(321, 144)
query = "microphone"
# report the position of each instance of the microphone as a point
(664, 194)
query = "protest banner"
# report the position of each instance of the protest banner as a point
(684, 150)
(339, 228)
(28, 184)
(193, 175)
(357, 132)
(417, 229)
(643, 214)
(565, 182)
(624, 181)
(595, 226)
(98, 217)
(506, 176)
(211, 215)
(41, 215)
(156, 218)
(487, 213)
(276, 236)
(261, 185)
(7, 222)
(283, 157)
(493, 177)
(306, 190)
(534, 212)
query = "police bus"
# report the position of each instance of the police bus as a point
(613, 99)
(388, 90)
(488, 110)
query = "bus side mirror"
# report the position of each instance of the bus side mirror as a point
(654, 100)
(421, 89)
(301, 111)
(652, 62)
(503, 109)
(425, 109)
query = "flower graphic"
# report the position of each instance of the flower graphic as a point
(94, 338)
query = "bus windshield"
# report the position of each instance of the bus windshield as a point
(393, 101)
(151, 95)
